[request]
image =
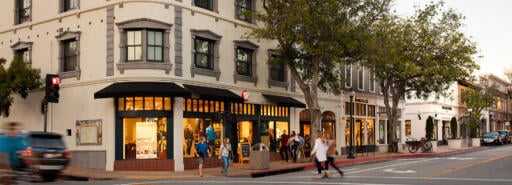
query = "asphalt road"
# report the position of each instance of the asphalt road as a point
(489, 166)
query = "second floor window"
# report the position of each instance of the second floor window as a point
(155, 46)
(137, 39)
(206, 4)
(360, 79)
(371, 82)
(241, 7)
(134, 45)
(69, 5)
(203, 55)
(23, 54)
(70, 55)
(23, 11)
(244, 61)
(348, 75)
(277, 72)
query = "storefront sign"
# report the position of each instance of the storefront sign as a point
(246, 149)
(88, 132)
(362, 100)
(245, 95)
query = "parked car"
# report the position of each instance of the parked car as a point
(491, 138)
(507, 137)
(45, 154)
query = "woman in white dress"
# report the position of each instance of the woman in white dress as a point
(320, 153)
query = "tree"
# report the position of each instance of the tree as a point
(314, 37)
(453, 127)
(18, 78)
(429, 128)
(477, 101)
(418, 55)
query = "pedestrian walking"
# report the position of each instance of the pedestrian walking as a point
(283, 150)
(225, 150)
(331, 153)
(294, 144)
(201, 153)
(319, 152)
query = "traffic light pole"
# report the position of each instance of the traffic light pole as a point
(45, 113)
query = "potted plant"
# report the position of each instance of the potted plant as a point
(454, 142)
(429, 133)
(475, 140)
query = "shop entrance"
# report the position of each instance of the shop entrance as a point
(145, 138)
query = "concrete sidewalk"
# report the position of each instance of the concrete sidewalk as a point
(238, 170)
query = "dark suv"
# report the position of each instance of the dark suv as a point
(46, 154)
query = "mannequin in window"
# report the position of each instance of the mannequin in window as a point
(189, 138)
(210, 136)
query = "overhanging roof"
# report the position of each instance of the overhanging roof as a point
(121, 89)
(285, 101)
(214, 93)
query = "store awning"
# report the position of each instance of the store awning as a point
(285, 101)
(122, 89)
(214, 93)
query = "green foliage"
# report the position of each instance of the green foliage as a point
(18, 78)
(419, 55)
(477, 101)
(453, 127)
(429, 128)
(314, 37)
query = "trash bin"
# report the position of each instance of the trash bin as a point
(259, 157)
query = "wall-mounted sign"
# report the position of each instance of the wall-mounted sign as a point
(245, 95)
(362, 100)
(88, 132)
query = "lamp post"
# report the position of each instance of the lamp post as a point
(468, 125)
(351, 152)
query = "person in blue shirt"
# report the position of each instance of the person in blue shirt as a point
(210, 135)
(11, 143)
(201, 152)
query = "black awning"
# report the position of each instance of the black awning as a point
(214, 93)
(285, 101)
(122, 89)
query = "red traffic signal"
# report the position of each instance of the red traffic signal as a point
(52, 88)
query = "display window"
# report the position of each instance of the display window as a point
(194, 128)
(370, 130)
(145, 138)
(382, 132)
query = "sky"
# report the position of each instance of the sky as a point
(488, 23)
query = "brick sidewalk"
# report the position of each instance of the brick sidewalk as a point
(243, 170)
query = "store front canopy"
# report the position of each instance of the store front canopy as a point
(285, 101)
(214, 93)
(122, 89)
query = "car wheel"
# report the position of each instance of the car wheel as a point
(49, 177)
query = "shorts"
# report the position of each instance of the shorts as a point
(200, 160)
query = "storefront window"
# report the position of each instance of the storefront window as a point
(382, 134)
(370, 131)
(145, 138)
(143, 103)
(407, 127)
(194, 128)
(245, 132)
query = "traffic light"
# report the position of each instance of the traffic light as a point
(52, 88)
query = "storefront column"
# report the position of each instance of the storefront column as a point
(178, 134)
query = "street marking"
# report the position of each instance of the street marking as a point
(460, 158)
(253, 182)
(452, 179)
(382, 167)
(390, 170)
(451, 170)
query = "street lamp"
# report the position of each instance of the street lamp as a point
(468, 125)
(351, 151)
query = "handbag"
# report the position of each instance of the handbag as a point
(230, 156)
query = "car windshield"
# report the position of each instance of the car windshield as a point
(491, 134)
(47, 142)
(503, 133)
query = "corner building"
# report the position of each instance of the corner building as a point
(141, 81)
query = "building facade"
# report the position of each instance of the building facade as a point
(141, 81)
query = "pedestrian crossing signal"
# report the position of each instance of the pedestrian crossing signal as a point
(52, 88)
